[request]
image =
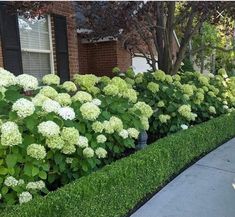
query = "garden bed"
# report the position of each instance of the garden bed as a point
(118, 188)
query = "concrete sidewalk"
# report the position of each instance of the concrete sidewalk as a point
(203, 190)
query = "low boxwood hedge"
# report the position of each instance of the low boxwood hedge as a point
(117, 188)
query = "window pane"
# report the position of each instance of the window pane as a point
(36, 64)
(34, 34)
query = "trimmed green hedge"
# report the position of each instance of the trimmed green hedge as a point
(117, 188)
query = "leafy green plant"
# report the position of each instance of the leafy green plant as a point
(53, 134)
(182, 100)
(118, 188)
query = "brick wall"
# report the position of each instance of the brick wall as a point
(101, 57)
(67, 9)
(123, 57)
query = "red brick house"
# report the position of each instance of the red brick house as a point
(52, 45)
(39, 48)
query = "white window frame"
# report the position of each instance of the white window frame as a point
(50, 51)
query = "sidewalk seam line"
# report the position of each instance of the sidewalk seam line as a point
(214, 168)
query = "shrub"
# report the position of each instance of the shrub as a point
(51, 135)
(117, 188)
(184, 99)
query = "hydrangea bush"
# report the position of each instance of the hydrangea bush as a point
(182, 100)
(53, 133)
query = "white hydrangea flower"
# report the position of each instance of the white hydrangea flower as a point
(27, 82)
(36, 151)
(108, 127)
(184, 126)
(67, 113)
(55, 142)
(212, 109)
(0, 196)
(64, 99)
(10, 181)
(10, 134)
(21, 182)
(49, 92)
(96, 102)
(68, 149)
(101, 152)
(124, 134)
(69, 86)
(90, 111)
(82, 142)
(38, 185)
(101, 138)
(82, 97)
(51, 106)
(88, 152)
(25, 197)
(39, 99)
(97, 126)
(133, 133)
(225, 107)
(7, 78)
(23, 108)
(9, 127)
(48, 128)
(69, 160)
(51, 79)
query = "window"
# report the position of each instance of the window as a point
(36, 46)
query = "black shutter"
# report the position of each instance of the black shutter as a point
(61, 43)
(10, 38)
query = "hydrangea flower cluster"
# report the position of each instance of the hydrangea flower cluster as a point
(70, 135)
(88, 152)
(159, 75)
(133, 133)
(82, 142)
(38, 185)
(69, 86)
(96, 102)
(188, 89)
(27, 82)
(185, 111)
(153, 87)
(49, 92)
(101, 138)
(48, 129)
(82, 97)
(86, 82)
(145, 109)
(63, 99)
(67, 113)
(25, 197)
(11, 135)
(10, 181)
(97, 126)
(50, 105)
(39, 99)
(23, 108)
(212, 110)
(164, 118)
(90, 111)
(55, 142)
(101, 152)
(7, 78)
(36, 151)
(51, 79)
(124, 134)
